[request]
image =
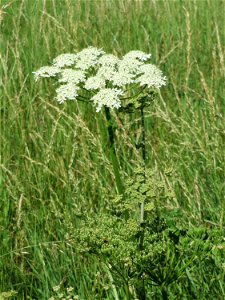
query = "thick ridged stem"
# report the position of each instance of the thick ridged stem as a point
(143, 151)
(113, 156)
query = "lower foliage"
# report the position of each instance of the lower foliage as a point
(159, 251)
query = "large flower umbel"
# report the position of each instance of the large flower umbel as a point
(104, 79)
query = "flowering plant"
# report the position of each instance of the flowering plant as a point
(127, 84)
(139, 242)
(106, 79)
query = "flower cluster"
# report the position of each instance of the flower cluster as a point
(67, 92)
(47, 71)
(104, 77)
(151, 76)
(108, 97)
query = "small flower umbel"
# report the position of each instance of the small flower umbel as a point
(108, 97)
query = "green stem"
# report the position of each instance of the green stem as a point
(141, 286)
(143, 150)
(113, 156)
(140, 290)
(116, 297)
(164, 293)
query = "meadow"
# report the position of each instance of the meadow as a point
(55, 163)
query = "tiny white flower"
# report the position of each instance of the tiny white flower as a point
(47, 71)
(94, 83)
(56, 288)
(72, 76)
(106, 72)
(64, 60)
(137, 54)
(122, 78)
(88, 57)
(67, 92)
(108, 60)
(108, 97)
(150, 76)
(130, 65)
(70, 289)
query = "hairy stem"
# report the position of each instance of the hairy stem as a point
(113, 156)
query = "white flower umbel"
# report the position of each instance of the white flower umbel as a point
(137, 54)
(67, 92)
(127, 70)
(46, 72)
(88, 58)
(107, 97)
(151, 76)
(72, 76)
(65, 60)
(108, 66)
(94, 83)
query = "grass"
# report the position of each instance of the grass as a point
(54, 160)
